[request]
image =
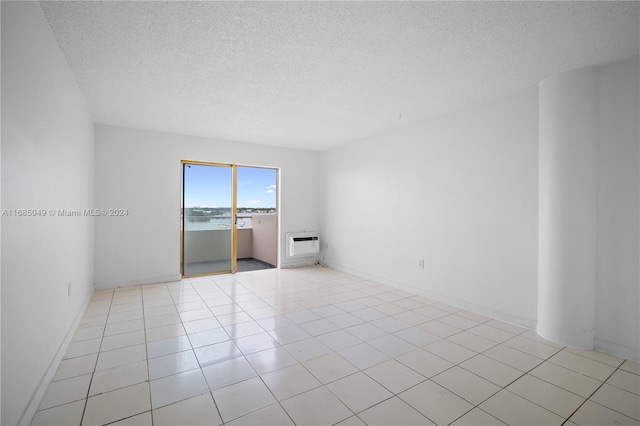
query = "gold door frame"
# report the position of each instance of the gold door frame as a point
(234, 213)
(233, 247)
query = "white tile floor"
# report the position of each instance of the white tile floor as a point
(315, 346)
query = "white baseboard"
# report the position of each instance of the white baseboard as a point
(632, 354)
(612, 348)
(462, 304)
(36, 398)
(138, 281)
(299, 262)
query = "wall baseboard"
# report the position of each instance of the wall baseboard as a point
(301, 262)
(600, 344)
(138, 281)
(38, 395)
(617, 349)
(462, 304)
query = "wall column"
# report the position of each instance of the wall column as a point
(568, 140)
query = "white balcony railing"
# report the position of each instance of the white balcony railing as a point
(209, 240)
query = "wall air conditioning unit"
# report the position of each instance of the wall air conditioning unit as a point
(303, 244)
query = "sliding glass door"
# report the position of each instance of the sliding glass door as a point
(208, 216)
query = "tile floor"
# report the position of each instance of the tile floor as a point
(315, 346)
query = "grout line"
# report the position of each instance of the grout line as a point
(314, 291)
(86, 401)
(594, 392)
(146, 351)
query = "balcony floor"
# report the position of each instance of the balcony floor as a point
(244, 265)
(252, 264)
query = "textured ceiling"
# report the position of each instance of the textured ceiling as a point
(313, 75)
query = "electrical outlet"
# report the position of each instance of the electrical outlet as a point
(421, 263)
(69, 290)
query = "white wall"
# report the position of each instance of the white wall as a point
(140, 171)
(47, 163)
(244, 249)
(618, 280)
(264, 238)
(459, 191)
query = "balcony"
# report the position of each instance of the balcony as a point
(207, 242)
(257, 241)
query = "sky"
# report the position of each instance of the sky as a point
(210, 186)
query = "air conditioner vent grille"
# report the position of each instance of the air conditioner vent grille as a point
(303, 244)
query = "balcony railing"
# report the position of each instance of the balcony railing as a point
(204, 240)
(210, 223)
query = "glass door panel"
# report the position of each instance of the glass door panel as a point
(256, 224)
(207, 220)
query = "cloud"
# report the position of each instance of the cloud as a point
(271, 186)
(255, 201)
(269, 191)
